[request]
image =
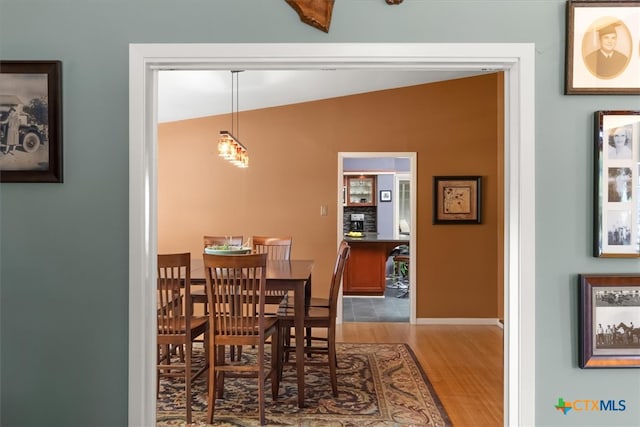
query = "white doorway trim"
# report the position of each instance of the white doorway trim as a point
(517, 61)
(413, 167)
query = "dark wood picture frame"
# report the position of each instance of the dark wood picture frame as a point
(457, 199)
(616, 185)
(610, 25)
(31, 94)
(385, 195)
(609, 307)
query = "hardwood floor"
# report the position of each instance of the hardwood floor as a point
(464, 364)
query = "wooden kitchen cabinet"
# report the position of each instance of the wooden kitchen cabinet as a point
(361, 190)
(365, 272)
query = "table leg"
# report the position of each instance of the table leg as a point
(299, 296)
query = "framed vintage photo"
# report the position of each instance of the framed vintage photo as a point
(609, 316)
(603, 48)
(616, 216)
(456, 199)
(385, 195)
(30, 121)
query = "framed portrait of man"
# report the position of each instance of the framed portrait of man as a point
(602, 55)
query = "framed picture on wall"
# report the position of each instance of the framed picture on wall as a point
(603, 47)
(456, 199)
(609, 320)
(385, 195)
(30, 121)
(616, 188)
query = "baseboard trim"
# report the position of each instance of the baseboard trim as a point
(457, 321)
(362, 296)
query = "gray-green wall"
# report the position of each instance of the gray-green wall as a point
(64, 248)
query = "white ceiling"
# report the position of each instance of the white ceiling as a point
(187, 94)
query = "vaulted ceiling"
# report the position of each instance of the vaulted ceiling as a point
(186, 94)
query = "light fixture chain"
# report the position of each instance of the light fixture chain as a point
(233, 131)
(238, 104)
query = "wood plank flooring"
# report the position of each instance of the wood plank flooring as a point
(464, 364)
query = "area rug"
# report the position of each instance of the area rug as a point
(379, 384)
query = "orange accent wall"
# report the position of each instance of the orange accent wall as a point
(456, 127)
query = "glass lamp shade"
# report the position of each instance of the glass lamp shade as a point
(232, 150)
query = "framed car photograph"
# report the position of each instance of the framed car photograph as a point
(30, 121)
(616, 187)
(602, 54)
(456, 199)
(609, 320)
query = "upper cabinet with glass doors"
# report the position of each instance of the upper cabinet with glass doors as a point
(361, 190)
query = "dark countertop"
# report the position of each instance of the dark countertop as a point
(375, 237)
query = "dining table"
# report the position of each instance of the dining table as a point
(289, 275)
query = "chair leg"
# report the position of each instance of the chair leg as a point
(261, 384)
(158, 372)
(181, 353)
(332, 360)
(308, 334)
(187, 378)
(211, 379)
(235, 352)
(284, 337)
(286, 332)
(275, 365)
(220, 375)
(164, 358)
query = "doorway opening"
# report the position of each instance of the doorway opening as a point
(517, 62)
(394, 299)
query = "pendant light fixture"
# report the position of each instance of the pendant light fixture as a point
(229, 147)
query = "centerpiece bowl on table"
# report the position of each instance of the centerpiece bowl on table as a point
(227, 250)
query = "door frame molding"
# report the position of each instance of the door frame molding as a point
(517, 62)
(412, 156)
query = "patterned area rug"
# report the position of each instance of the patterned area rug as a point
(379, 384)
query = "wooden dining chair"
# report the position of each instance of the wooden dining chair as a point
(325, 301)
(177, 328)
(277, 248)
(315, 318)
(236, 287)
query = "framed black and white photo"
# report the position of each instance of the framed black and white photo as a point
(456, 199)
(30, 121)
(616, 184)
(602, 52)
(609, 320)
(385, 195)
